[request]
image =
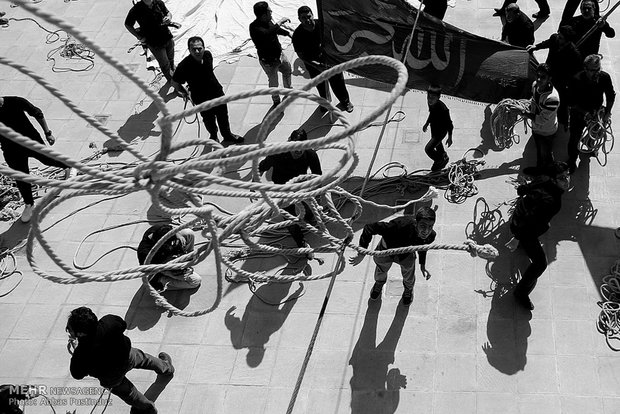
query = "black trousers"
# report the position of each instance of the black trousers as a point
(577, 124)
(536, 254)
(126, 391)
(295, 229)
(544, 149)
(435, 150)
(17, 159)
(336, 82)
(210, 116)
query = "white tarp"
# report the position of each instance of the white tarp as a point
(224, 24)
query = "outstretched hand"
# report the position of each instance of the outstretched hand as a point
(355, 260)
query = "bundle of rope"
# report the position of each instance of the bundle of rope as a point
(609, 318)
(506, 115)
(462, 175)
(202, 176)
(597, 137)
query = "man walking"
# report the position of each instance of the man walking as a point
(13, 110)
(197, 71)
(586, 93)
(101, 350)
(264, 33)
(153, 18)
(307, 44)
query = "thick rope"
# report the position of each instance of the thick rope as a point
(506, 115)
(597, 137)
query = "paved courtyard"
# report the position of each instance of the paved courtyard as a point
(462, 347)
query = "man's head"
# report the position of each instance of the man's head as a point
(298, 135)
(588, 9)
(262, 11)
(196, 47)
(592, 67)
(82, 322)
(433, 93)
(148, 2)
(559, 173)
(512, 10)
(425, 220)
(565, 34)
(543, 76)
(306, 18)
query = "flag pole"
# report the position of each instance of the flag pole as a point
(387, 115)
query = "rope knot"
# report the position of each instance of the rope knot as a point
(485, 251)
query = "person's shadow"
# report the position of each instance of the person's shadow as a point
(264, 315)
(14, 235)
(375, 388)
(508, 324)
(139, 125)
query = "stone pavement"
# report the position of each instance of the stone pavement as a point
(462, 347)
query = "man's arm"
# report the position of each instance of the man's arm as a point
(130, 22)
(265, 164)
(315, 163)
(37, 114)
(610, 98)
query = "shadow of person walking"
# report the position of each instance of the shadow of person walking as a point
(254, 329)
(374, 388)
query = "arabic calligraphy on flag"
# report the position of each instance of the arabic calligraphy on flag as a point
(465, 65)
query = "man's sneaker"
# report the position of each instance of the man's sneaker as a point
(70, 173)
(27, 213)
(348, 106)
(375, 293)
(441, 164)
(166, 358)
(407, 297)
(523, 300)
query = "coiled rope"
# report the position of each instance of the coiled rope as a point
(608, 322)
(506, 115)
(597, 137)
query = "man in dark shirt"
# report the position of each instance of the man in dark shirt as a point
(519, 29)
(307, 44)
(565, 62)
(401, 232)
(153, 18)
(538, 202)
(101, 350)
(585, 93)
(264, 34)
(582, 24)
(441, 125)
(197, 71)
(13, 110)
(287, 166)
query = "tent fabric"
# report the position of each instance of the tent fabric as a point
(465, 65)
(224, 25)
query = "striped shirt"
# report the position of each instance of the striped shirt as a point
(545, 108)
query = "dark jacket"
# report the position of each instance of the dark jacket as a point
(399, 232)
(285, 167)
(439, 120)
(265, 38)
(519, 32)
(199, 76)
(587, 96)
(13, 114)
(538, 202)
(564, 61)
(105, 354)
(591, 45)
(151, 21)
